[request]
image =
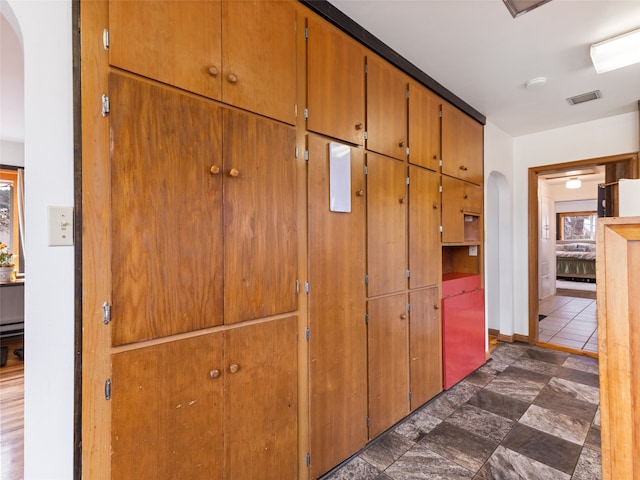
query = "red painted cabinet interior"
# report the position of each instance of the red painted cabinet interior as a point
(463, 327)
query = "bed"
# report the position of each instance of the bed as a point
(576, 260)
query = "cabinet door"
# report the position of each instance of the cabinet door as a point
(386, 225)
(174, 42)
(338, 337)
(461, 210)
(425, 346)
(260, 241)
(261, 392)
(335, 83)
(167, 411)
(259, 57)
(386, 109)
(462, 145)
(388, 349)
(424, 127)
(424, 227)
(166, 223)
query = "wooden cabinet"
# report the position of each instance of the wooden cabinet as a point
(425, 345)
(386, 225)
(462, 145)
(618, 276)
(209, 47)
(388, 354)
(201, 407)
(424, 227)
(176, 236)
(461, 211)
(424, 127)
(386, 109)
(337, 330)
(335, 83)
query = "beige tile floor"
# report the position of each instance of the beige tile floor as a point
(570, 322)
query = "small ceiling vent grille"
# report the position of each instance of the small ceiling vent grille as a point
(585, 97)
(520, 7)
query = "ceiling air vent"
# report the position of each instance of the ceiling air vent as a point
(585, 97)
(520, 7)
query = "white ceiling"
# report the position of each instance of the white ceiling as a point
(479, 52)
(474, 48)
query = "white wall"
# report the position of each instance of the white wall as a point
(49, 292)
(601, 138)
(11, 153)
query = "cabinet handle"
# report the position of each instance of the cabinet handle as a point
(435, 205)
(436, 307)
(234, 172)
(435, 157)
(233, 368)
(213, 374)
(359, 126)
(403, 200)
(359, 193)
(403, 316)
(401, 144)
(465, 196)
(232, 77)
(214, 169)
(213, 71)
(463, 168)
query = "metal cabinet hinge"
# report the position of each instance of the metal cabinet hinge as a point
(106, 313)
(366, 135)
(366, 170)
(306, 155)
(440, 114)
(408, 273)
(407, 180)
(366, 319)
(306, 114)
(107, 389)
(306, 287)
(407, 150)
(407, 93)
(308, 459)
(105, 105)
(307, 333)
(368, 422)
(440, 163)
(408, 307)
(366, 279)
(440, 189)
(410, 396)
(297, 287)
(105, 38)
(306, 33)
(440, 228)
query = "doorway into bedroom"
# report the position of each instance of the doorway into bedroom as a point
(565, 201)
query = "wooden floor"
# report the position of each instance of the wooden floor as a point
(12, 413)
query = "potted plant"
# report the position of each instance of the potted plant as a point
(6, 263)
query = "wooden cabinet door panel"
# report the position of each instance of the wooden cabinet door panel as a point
(424, 227)
(462, 145)
(452, 210)
(335, 83)
(261, 401)
(424, 127)
(166, 410)
(259, 57)
(425, 346)
(337, 343)
(472, 198)
(388, 361)
(261, 248)
(175, 42)
(166, 215)
(386, 225)
(386, 109)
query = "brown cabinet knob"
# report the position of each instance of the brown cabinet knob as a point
(360, 193)
(359, 126)
(233, 368)
(213, 374)
(232, 78)
(213, 71)
(403, 316)
(463, 168)
(401, 144)
(435, 157)
(214, 169)
(435, 205)
(403, 200)
(234, 172)
(436, 306)
(465, 196)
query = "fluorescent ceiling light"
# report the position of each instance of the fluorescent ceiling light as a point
(573, 183)
(520, 7)
(616, 52)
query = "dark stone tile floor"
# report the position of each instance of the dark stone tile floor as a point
(528, 413)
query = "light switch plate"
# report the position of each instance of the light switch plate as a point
(473, 251)
(60, 226)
